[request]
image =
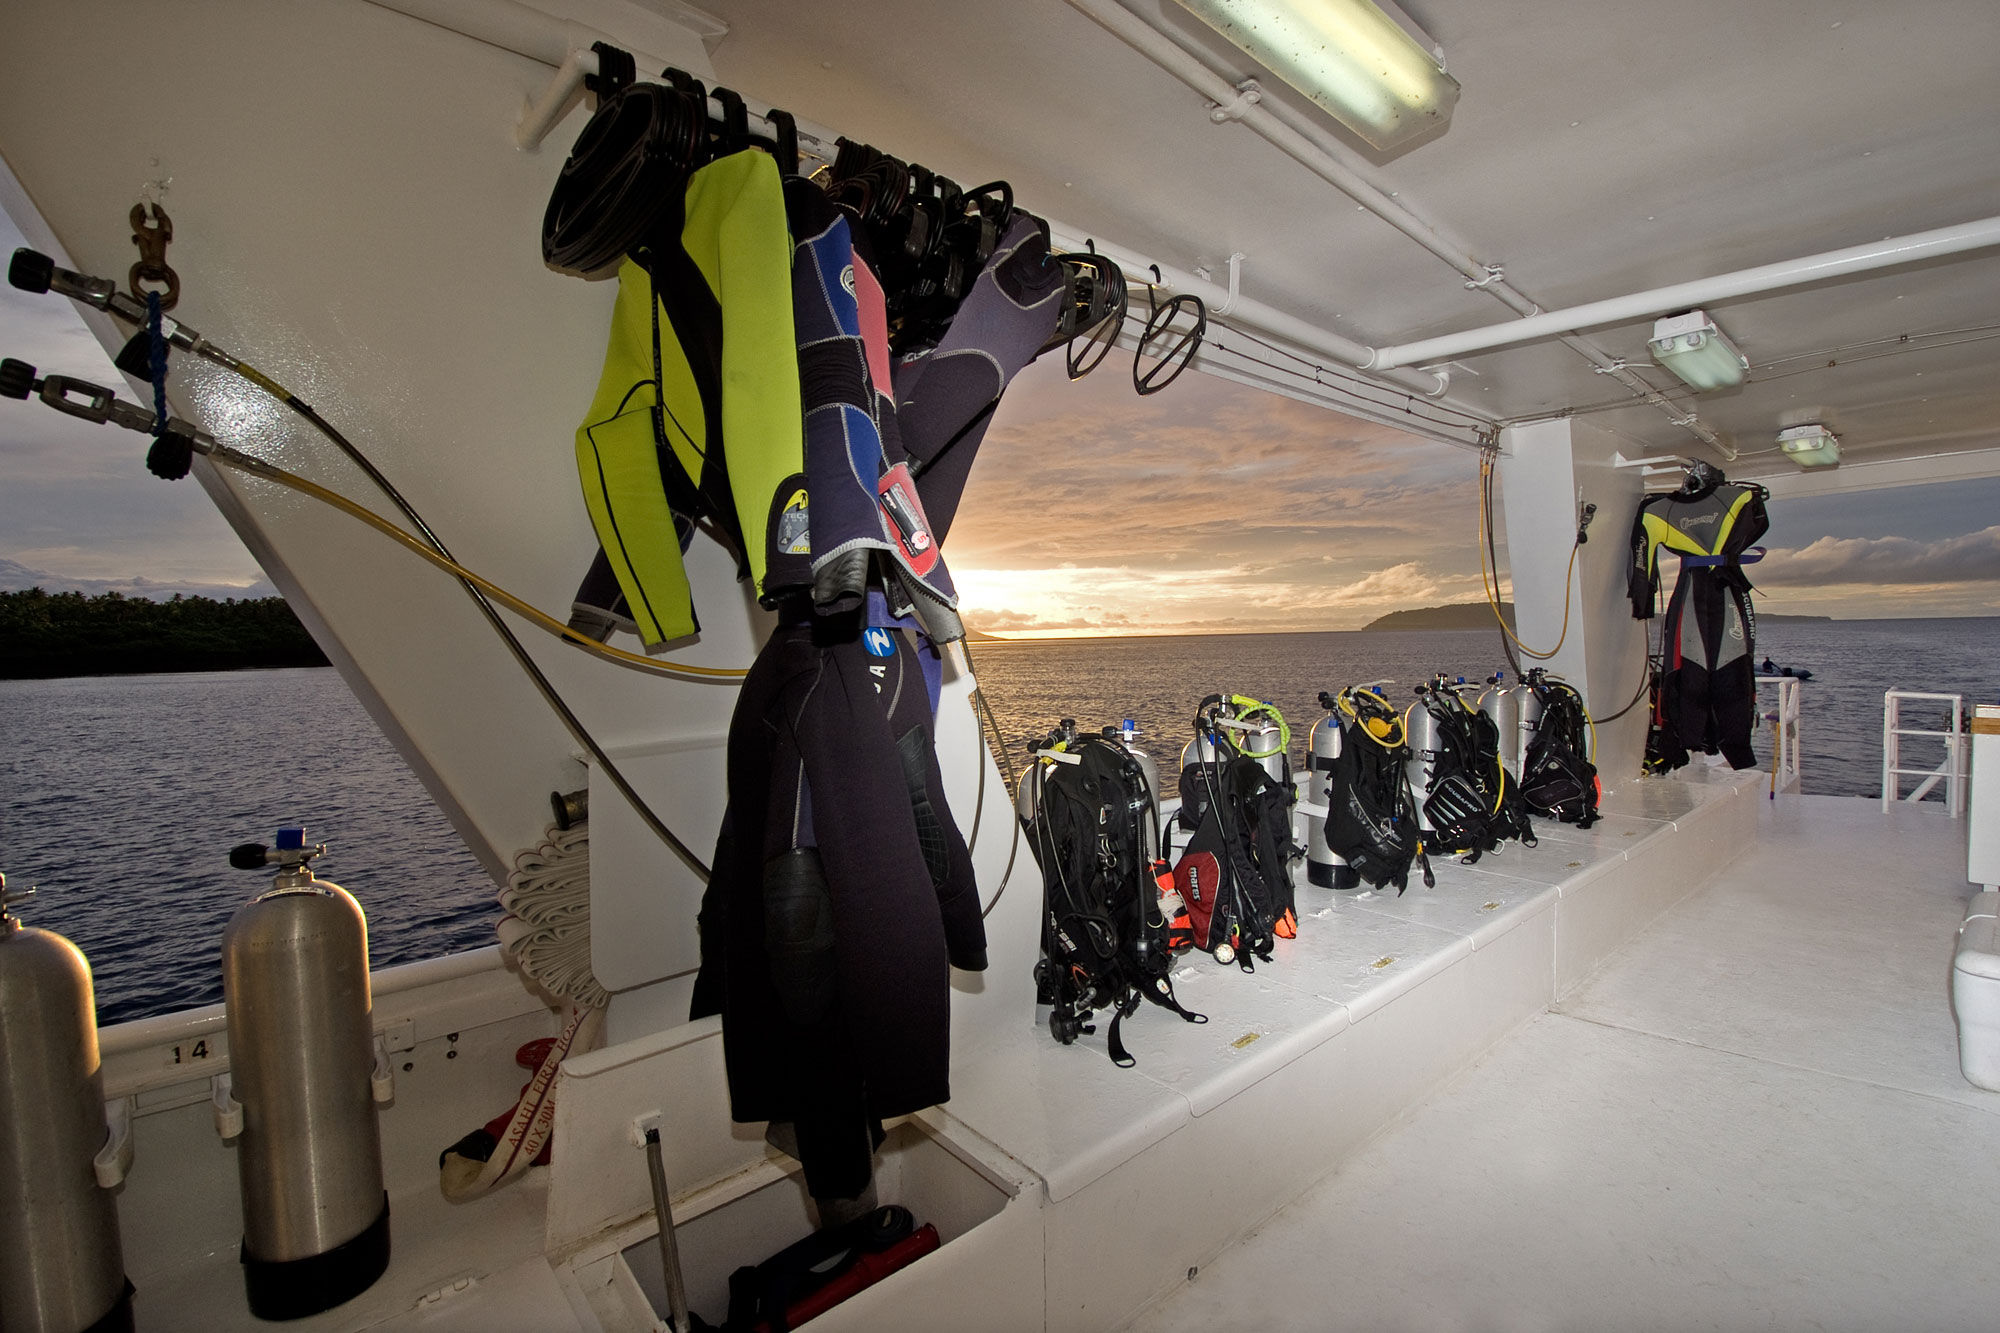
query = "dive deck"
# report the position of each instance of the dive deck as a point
(1069, 1193)
(1751, 1117)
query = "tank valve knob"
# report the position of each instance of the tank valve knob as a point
(31, 270)
(17, 379)
(291, 850)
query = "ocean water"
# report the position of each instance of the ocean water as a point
(1032, 684)
(120, 796)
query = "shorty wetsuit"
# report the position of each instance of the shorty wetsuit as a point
(697, 408)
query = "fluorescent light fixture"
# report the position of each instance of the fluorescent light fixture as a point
(1694, 349)
(1349, 57)
(1810, 446)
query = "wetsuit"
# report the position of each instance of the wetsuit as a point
(1705, 517)
(1707, 694)
(841, 896)
(948, 394)
(1708, 683)
(697, 409)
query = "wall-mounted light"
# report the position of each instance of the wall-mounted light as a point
(1349, 57)
(1810, 446)
(1694, 349)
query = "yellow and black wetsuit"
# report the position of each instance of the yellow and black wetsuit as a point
(1705, 517)
(697, 409)
(1707, 692)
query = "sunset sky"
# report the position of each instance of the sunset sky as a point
(1207, 507)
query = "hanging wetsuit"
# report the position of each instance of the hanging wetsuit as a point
(842, 894)
(1708, 681)
(1706, 697)
(867, 517)
(948, 393)
(697, 409)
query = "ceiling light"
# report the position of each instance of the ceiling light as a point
(1694, 349)
(1348, 56)
(1810, 446)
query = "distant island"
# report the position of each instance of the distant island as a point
(45, 634)
(1459, 615)
(1478, 615)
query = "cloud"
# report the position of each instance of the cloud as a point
(1973, 557)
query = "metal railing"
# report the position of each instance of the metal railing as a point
(1950, 772)
(1784, 733)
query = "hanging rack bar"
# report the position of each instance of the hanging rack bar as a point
(541, 114)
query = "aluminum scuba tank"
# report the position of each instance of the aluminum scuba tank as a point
(64, 1269)
(301, 1049)
(1422, 736)
(1529, 704)
(1265, 738)
(1324, 866)
(1027, 792)
(1127, 735)
(1500, 702)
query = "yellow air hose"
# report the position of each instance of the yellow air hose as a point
(256, 467)
(1491, 575)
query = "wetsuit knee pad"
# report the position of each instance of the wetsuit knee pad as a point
(913, 749)
(798, 934)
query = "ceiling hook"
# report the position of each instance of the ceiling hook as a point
(1494, 273)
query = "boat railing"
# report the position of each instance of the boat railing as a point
(1785, 750)
(1950, 772)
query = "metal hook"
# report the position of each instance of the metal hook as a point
(152, 231)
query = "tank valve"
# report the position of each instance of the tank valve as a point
(291, 850)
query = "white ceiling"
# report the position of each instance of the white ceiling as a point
(1598, 148)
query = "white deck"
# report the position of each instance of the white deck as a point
(1084, 1191)
(1751, 1117)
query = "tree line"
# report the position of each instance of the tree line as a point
(45, 634)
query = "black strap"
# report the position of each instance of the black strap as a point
(615, 69)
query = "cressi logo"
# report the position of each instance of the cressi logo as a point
(847, 279)
(878, 643)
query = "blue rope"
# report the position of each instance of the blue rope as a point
(157, 363)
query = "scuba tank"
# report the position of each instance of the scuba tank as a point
(1324, 866)
(1027, 797)
(1127, 735)
(1502, 703)
(64, 1270)
(1236, 724)
(301, 1051)
(1421, 735)
(1529, 704)
(1028, 792)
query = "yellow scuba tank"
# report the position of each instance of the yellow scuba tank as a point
(64, 1270)
(303, 1076)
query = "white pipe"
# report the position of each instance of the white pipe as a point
(515, 27)
(1889, 253)
(1326, 158)
(1256, 315)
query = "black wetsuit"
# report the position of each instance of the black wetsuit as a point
(842, 895)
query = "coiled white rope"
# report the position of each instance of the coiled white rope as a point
(546, 932)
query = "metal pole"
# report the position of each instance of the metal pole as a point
(670, 1250)
(1890, 252)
